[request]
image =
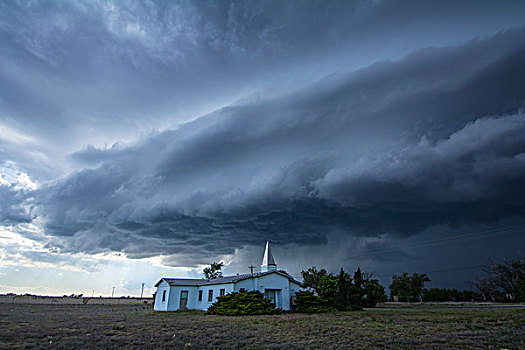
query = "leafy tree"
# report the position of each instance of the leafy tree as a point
(366, 291)
(486, 287)
(408, 288)
(507, 277)
(328, 288)
(243, 303)
(214, 271)
(343, 292)
(374, 293)
(312, 277)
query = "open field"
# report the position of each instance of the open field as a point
(41, 325)
(37, 299)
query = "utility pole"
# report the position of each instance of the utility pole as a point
(113, 292)
(142, 291)
(93, 293)
(251, 267)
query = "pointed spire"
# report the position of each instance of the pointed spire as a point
(268, 262)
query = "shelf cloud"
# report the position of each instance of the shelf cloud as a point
(377, 151)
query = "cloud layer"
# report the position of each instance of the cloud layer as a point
(390, 149)
(98, 72)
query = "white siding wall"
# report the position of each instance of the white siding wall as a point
(174, 299)
(248, 284)
(159, 304)
(205, 304)
(295, 287)
(276, 281)
(173, 302)
(193, 294)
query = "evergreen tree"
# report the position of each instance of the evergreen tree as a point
(344, 288)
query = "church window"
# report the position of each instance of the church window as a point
(210, 295)
(163, 295)
(200, 295)
(222, 292)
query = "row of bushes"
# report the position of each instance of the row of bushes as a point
(243, 303)
(254, 303)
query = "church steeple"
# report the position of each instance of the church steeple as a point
(268, 263)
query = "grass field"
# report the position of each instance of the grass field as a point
(118, 326)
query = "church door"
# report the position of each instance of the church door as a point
(183, 299)
(272, 294)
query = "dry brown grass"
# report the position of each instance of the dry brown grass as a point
(123, 326)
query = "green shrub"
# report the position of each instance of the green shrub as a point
(243, 303)
(307, 302)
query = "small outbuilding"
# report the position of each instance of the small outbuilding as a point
(184, 293)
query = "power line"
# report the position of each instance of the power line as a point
(420, 245)
(442, 270)
(431, 242)
(504, 230)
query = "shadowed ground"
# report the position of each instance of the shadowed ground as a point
(117, 326)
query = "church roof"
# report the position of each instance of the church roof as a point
(268, 257)
(222, 280)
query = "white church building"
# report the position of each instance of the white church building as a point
(198, 294)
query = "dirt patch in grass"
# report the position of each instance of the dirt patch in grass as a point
(117, 326)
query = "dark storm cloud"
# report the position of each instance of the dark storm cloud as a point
(11, 211)
(392, 149)
(80, 72)
(15, 189)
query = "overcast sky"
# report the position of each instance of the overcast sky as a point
(141, 140)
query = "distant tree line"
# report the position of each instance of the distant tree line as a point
(445, 294)
(503, 282)
(411, 288)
